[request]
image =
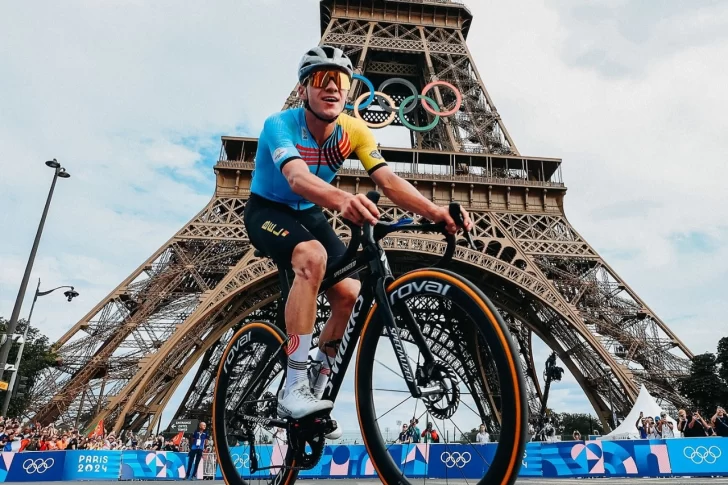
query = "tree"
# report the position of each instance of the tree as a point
(703, 386)
(722, 359)
(586, 424)
(37, 355)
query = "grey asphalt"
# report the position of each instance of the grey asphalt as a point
(523, 481)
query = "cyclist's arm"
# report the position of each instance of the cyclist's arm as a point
(312, 188)
(404, 194)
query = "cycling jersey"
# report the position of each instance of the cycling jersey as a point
(286, 137)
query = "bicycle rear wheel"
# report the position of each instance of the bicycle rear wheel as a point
(251, 372)
(478, 364)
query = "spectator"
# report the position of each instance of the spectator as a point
(197, 445)
(642, 425)
(692, 426)
(576, 435)
(414, 431)
(429, 435)
(404, 436)
(720, 422)
(482, 436)
(665, 427)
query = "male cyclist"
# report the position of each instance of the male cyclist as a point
(299, 152)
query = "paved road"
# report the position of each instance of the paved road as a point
(523, 481)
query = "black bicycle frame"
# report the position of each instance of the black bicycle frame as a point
(381, 276)
(374, 289)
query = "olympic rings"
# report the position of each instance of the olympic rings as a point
(458, 98)
(410, 125)
(371, 93)
(387, 104)
(390, 118)
(401, 81)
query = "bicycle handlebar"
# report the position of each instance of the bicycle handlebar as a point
(372, 234)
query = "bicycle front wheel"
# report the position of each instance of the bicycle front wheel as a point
(477, 370)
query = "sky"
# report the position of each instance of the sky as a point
(132, 98)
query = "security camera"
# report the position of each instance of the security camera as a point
(71, 294)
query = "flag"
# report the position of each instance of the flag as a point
(98, 430)
(178, 439)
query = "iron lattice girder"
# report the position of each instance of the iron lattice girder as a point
(477, 127)
(529, 284)
(124, 359)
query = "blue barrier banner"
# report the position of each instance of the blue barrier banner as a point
(698, 456)
(531, 465)
(456, 461)
(631, 458)
(564, 459)
(92, 465)
(149, 465)
(43, 466)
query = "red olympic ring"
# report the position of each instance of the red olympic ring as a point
(395, 109)
(458, 98)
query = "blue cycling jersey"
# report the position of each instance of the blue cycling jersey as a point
(285, 137)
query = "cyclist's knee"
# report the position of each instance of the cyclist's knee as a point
(345, 294)
(309, 261)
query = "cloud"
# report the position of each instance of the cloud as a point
(132, 98)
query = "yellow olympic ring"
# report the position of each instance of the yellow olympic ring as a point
(384, 123)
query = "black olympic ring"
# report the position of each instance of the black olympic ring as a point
(407, 106)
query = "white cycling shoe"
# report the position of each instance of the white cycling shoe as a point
(300, 402)
(335, 434)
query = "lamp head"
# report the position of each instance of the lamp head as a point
(71, 294)
(53, 163)
(63, 174)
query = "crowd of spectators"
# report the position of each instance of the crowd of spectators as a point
(19, 436)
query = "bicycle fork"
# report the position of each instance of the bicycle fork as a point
(417, 379)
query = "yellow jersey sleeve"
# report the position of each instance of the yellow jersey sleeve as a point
(363, 143)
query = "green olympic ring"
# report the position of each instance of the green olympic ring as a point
(412, 127)
(405, 107)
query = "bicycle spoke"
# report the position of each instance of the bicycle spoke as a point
(395, 407)
(388, 368)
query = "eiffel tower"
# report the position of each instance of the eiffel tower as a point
(124, 359)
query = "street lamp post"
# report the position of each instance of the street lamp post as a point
(70, 294)
(58, 172)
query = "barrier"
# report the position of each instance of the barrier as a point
(592, 459)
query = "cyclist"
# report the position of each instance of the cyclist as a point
(299, 153)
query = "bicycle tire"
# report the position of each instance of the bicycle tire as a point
(251, 333)
(508, 457)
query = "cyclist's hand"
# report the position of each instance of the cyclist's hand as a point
(443, 215)
(358, 209)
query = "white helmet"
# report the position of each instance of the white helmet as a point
(321, 57)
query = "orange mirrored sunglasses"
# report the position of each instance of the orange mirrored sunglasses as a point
(321, 79)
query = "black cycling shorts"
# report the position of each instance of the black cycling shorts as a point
(276, 230)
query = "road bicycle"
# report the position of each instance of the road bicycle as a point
(466, 361)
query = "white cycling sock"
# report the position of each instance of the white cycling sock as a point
(323, 377)
(297, 350)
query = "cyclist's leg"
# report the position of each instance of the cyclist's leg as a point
(279, 232)
(341, 296)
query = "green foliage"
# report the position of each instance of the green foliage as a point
(722, 359)
(586, 424)
(37, 355)
(703, 387)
